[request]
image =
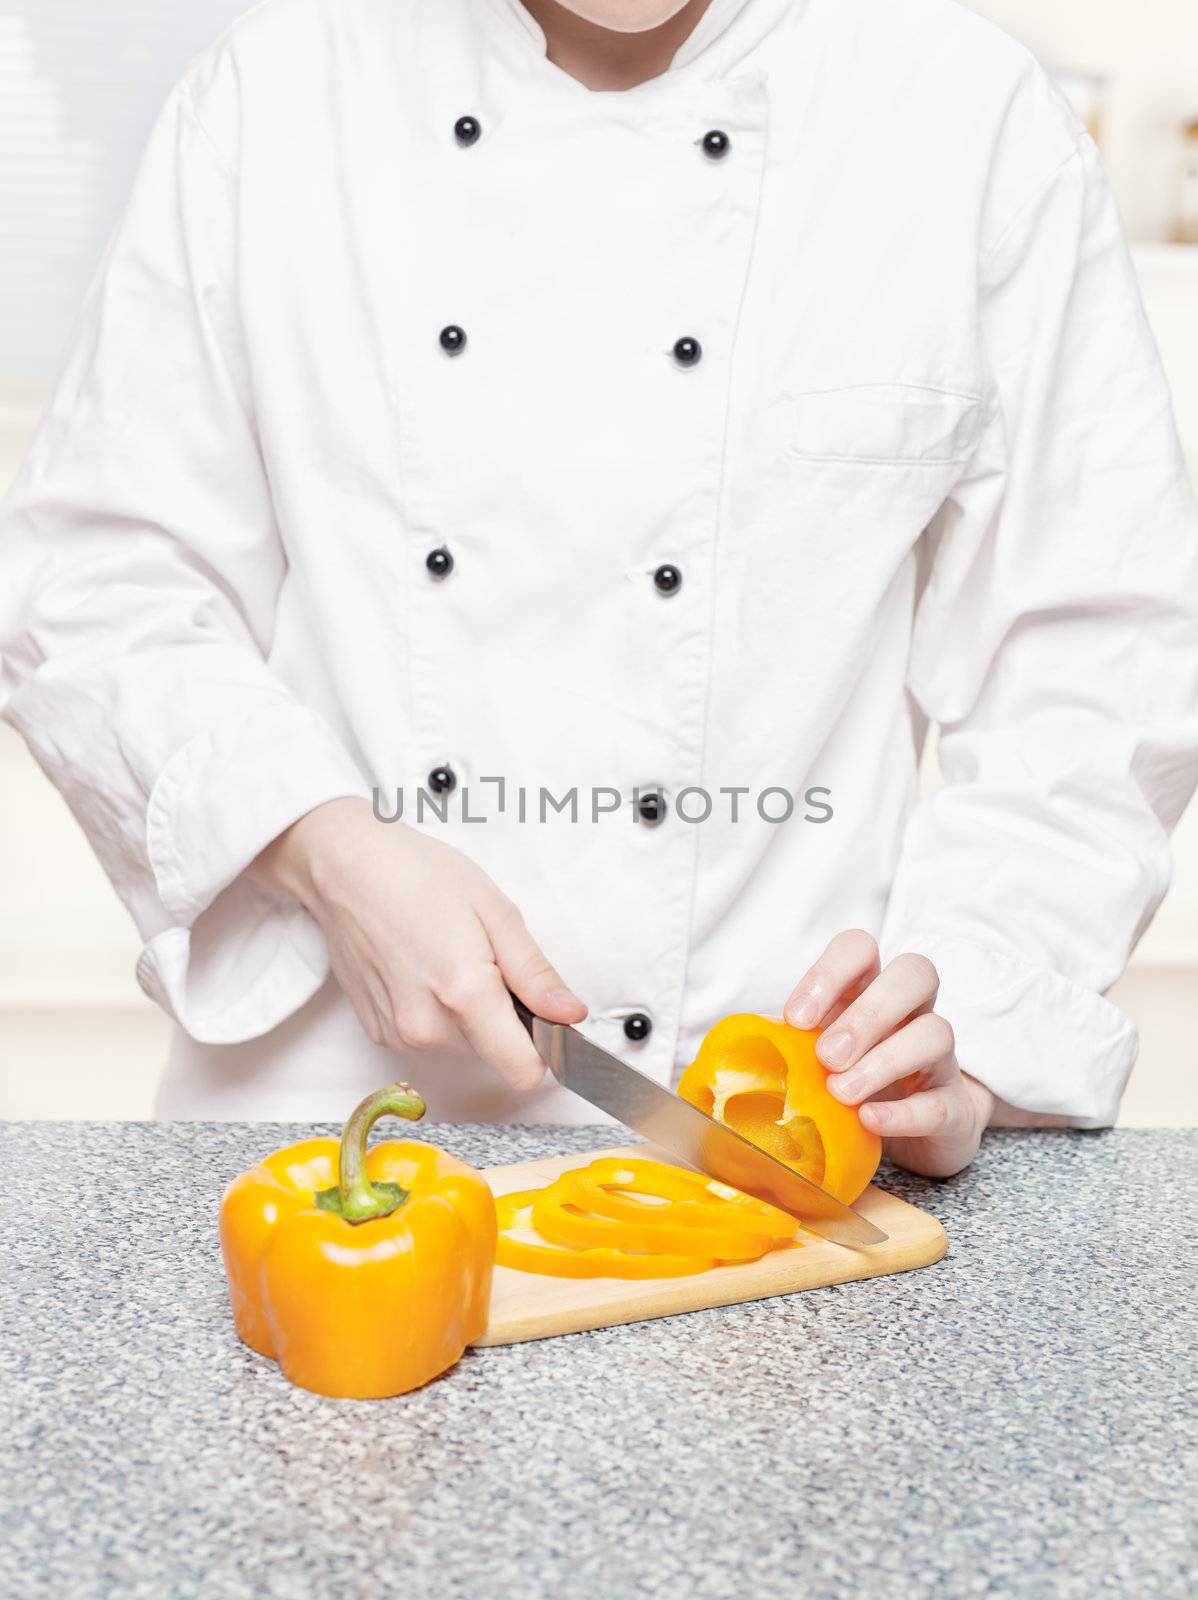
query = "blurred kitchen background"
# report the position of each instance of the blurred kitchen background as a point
(80, 83)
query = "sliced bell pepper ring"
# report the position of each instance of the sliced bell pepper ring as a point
(532, 1253)
(558, 1217)
(611, 1188)
(763, 1078)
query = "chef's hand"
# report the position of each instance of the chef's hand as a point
(423, 943)
(890, 1053)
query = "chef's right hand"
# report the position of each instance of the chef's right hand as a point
(423, 943)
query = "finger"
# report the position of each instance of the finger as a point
(906, 986)
(921, 1052)
(850, 962)
(482, 1009)
(943, 1111)
(372, 1023)
(845, 999)
(527, 969)
(369, 1000)
(418, 1022)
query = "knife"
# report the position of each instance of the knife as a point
(684, 1131)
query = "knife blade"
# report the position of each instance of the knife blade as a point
(603, 1080)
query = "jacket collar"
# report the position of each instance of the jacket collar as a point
(726, 32)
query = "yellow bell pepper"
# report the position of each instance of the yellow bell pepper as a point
(561, 1221)
(363, 1275)
(762, 1078)
(522, 1247)
(633, 1218)
(611, 1187)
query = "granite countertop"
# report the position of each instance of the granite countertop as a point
(1012, 1421)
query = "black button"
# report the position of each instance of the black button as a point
(716, 144)
(468, 130)
(651, 807)
(439, 562)
(453, 339)
(442, 780)
(686, 351)
(637, 1026)
(668, 579)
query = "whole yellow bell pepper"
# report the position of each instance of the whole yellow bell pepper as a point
(762, 1078)
(363, 1275)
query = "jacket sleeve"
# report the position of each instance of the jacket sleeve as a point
(140, 568)
(1056, 646)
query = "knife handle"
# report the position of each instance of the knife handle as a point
(522, 1011)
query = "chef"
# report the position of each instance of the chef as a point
(528, 476)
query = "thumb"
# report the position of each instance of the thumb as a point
(527, 971)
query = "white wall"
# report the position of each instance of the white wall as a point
(80, 84)
(1149, 51)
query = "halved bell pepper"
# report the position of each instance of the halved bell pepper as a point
(761, 1077)
(363, 1275)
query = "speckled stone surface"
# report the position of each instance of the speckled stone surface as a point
(1013, 1421)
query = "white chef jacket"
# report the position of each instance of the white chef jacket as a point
(922, 471)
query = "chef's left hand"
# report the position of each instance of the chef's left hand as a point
(889, 1052)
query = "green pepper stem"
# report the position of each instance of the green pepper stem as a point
(359, 1199)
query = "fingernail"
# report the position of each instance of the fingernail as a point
(803, 1012)
(561, 996)
(848, 1086)
(834, 1049)
(879, 1113)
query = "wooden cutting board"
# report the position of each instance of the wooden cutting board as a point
(525, 1305)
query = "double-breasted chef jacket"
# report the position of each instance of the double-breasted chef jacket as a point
(433, 419)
